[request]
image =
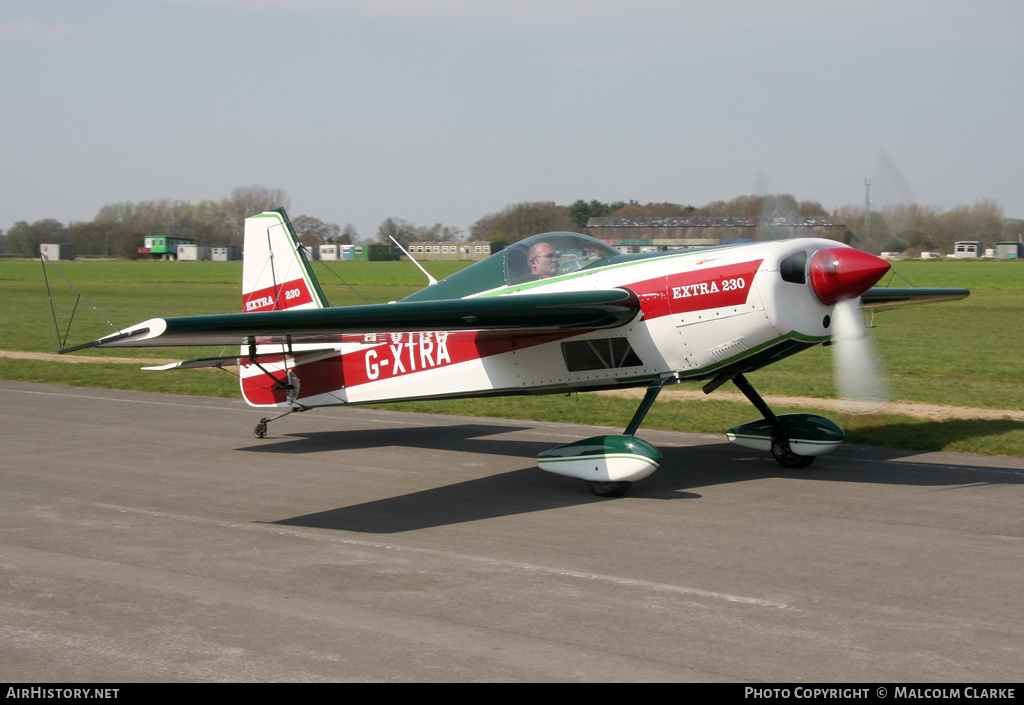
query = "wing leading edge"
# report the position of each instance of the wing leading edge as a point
(523, 314)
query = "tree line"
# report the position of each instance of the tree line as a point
(119, 228)
(910, 228)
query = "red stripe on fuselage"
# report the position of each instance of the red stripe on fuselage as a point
(696, 290)
(385, 356)
(396, 354)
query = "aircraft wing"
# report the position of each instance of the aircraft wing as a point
(883, 297)
(522, 314)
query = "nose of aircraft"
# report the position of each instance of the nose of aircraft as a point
(840, 273)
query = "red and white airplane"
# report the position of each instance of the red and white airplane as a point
(554, 313)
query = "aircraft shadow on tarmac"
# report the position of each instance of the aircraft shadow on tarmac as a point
(529, 489)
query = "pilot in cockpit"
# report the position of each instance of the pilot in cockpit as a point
(543, 261)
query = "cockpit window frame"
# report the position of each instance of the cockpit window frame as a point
(576, 251)
(491, 274)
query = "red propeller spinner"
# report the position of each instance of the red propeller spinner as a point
(840, 273)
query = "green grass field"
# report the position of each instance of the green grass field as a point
(959, 353)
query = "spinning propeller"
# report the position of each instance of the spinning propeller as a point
(839, 276)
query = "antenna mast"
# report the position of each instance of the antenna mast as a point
(867, 206)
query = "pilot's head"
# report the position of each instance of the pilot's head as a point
(543, 260)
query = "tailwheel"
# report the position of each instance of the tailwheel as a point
(260, 429)
(608, 489)
(788, 459)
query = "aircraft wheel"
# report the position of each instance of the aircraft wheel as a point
(260, 429)
(789, 459)
(608, 489)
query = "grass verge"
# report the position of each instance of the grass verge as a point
(987, 437)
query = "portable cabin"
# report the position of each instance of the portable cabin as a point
(161, 247)
(968, 249)
(193, 253)
(226, 254)
(1009, 250)
(53, 253)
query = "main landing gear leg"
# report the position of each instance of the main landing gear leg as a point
(617, 489)
(783, 454)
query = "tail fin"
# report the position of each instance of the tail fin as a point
(275, 276)
(275, 272)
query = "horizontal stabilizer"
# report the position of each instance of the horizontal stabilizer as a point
(236, 360)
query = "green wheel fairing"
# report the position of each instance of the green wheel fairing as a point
(617, 458)
(809, 434)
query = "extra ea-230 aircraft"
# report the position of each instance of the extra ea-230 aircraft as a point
(554, 313)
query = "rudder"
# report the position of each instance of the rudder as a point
(276, 276)
(275, 272)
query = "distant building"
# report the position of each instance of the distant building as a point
(968, 249)
(53, 253)
(473, 251)
(682, 232)
(193, 253)
(164, 247)
(1009, 250)
(226, 254)
(370, 252)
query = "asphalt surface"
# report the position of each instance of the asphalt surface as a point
(150, 537)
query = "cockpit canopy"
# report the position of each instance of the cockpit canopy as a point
(511, 266)
(574, 252)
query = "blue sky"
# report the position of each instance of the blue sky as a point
(444, 111)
